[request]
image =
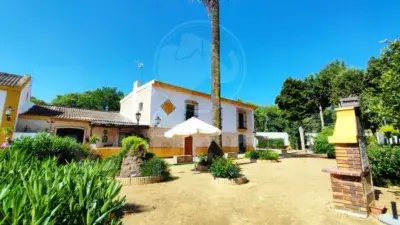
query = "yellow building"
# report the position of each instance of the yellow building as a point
(15, 94)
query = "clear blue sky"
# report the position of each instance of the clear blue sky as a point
(77, 45)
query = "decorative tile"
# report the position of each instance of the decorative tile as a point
(168, 107)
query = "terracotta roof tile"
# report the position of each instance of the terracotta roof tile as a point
(96, 117)
(11, 80)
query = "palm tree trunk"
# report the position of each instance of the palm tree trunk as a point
(215, 70)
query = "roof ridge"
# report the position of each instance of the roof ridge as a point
(65, 107)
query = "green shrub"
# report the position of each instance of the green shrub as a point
(372, 140)
(203, 160)
(149, 155)
(321, 144)
(268, 155)
(387, 130)
(224, 168)
(385, 163)
(43, 192)
(154, 167)
(277, 143)
(251, 155)
(131, 144)
(45, 145)
(93, 139)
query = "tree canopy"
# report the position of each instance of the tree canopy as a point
(100, 99)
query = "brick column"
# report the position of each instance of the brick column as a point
(351, 179)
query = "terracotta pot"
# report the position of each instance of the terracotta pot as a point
(202, 168)
(376, 208)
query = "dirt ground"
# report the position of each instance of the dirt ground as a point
(294, 191)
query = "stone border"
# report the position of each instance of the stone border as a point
(234, 181)
(202, 168)
(267, 161)
(127, 181)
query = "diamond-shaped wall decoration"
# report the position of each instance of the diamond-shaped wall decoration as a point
(168, 107)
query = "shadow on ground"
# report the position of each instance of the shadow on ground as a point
(304, 155)
(130, 208)
(171, 178)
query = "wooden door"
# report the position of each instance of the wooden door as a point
(189, 146)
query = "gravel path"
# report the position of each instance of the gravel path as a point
(294, 191)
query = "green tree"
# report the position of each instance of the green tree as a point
(37, 101)
(99, 99)
(294, 100)
(268, 118)
(350, 82)
(320, 85)
(380, 100)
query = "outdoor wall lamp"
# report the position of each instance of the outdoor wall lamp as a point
(9, 110)
(158, 121)
(138, 115)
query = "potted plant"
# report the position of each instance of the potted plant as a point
(252, 155)
(92, 140)
(202, 164)
(225, 171)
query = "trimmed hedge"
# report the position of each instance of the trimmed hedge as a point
(251, 155)
(45, 145)
(321, 144)
(268, 155)
(385, 163)
(277, 143)
(154, 167)
(131, 144)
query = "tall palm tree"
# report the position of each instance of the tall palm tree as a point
(212, 7)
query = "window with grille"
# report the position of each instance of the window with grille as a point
(191, 111)
(242, 120)
(140, 106)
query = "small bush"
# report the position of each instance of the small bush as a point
(93, 139)
(277, 143)
(45, 145)
(385, 163)
(268, 155)
(131, 144)
(203, 160)
(154, 167)
(251, 155)
(224, 168)
(321, 144)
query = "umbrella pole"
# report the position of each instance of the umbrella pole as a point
(194, 156)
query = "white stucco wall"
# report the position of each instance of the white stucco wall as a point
(229, 111)
(25, 99)
(126, 106)
(3, 95)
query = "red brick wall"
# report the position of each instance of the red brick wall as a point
(348, 194)
(348, 156)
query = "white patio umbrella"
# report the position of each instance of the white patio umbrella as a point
(193, 127)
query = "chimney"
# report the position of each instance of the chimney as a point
(136, 85)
